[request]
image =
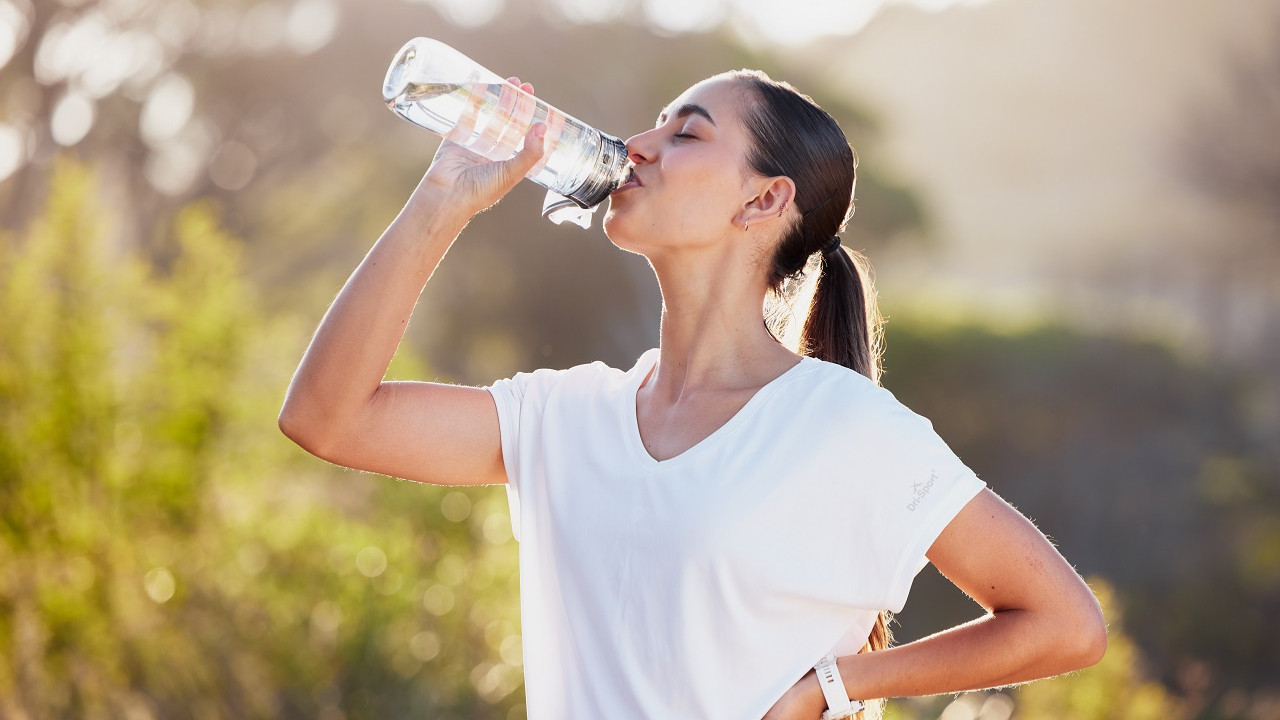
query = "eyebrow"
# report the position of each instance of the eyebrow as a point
(685, 111)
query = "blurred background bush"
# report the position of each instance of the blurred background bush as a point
(1074, 210)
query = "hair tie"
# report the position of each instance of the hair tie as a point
(832, 246)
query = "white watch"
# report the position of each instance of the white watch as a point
(838, 703)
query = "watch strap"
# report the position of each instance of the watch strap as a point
(838, 703)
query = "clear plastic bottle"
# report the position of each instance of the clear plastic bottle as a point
(430, 84)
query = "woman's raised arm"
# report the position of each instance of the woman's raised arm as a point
(338, 407)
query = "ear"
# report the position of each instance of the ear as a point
(774, 196)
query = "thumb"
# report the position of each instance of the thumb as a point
(530, 154)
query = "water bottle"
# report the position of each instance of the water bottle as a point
(430, 84)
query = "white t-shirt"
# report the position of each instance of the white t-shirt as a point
(703, 586)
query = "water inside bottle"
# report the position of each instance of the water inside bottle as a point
(504, 115)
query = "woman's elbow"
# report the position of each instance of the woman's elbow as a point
(296, 426)
(1087, 633)
(1097, 646)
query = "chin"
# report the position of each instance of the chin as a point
(614, 230)
(619, 231)
(614, 223)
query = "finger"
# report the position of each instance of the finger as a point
(518, 127)
(514, 80)
(527, 87)
(489, 143)
(555, 126)
(463, 129)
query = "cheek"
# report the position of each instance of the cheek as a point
(697, 193)
(718, 176)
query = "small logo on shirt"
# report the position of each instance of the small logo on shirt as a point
(919, 490)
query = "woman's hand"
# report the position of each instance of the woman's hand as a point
(472, 183)
(802, 701)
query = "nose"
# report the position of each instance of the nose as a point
(638, 147)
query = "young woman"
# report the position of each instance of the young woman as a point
(699, 531)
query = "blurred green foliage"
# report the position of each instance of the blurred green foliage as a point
(167, 553)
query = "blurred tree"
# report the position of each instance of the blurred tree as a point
(166, 555)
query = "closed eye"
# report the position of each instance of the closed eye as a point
(685, 135)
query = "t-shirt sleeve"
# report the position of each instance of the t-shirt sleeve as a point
(914, 485)
(521, 400)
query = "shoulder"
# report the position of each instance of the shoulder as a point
(835, 386)
(584, 377)
(847, 399)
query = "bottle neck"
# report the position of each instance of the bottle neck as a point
(606, 173)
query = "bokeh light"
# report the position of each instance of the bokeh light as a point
(72, 118)
(12, 150)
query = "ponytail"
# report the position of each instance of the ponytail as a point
(794, 137)
(844, 324)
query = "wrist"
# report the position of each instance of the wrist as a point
(812, 697)
(431, 217)
(438, 207)
(853, 673)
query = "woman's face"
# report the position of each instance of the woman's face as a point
(691, 179)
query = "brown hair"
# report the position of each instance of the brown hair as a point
(793, 137)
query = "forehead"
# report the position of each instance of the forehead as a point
(720, 98)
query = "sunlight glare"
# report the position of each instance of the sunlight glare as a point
(804, 20)
(174, 167)
(468, 13)
(938, 5)
(311, 25)
(15, 21)
(167, 109)
(674, 17)
(590, 11)
(72, 119)
(160, 585)
(262, 27)
(233, 166)
(12, 151)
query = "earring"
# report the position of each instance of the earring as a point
(745, 226)
(784, 208)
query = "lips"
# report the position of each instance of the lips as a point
(630, 181)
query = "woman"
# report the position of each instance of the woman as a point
(698, 532)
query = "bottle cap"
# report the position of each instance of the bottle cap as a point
(606, 174)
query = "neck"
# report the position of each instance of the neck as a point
(713, 336)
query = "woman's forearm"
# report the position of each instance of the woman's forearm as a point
(1001, 648)
(353, 346)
